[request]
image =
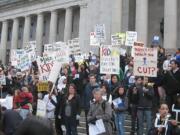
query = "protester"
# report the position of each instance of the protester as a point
(25, 101)
(144, 94)
(70, 110)
(120, 105)
(100, 110)
(88, 95)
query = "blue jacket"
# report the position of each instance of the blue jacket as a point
(88, 95)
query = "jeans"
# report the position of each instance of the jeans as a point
(24, 113)
(71, 126)
(119, 121)
(133, 118)
(144, 114)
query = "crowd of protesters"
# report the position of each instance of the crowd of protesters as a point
(81, 88)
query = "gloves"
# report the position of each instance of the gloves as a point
(93, 121)
(77, 117)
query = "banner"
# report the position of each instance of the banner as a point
(74, 47)
(43, 86)
(109, 60)
(100, 32)
(145, 62)
(94, 40)
(118, 39)
(131, 37)
(45, 65)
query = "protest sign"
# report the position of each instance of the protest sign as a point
(15, 56)
(145, 61)
(24, 62)
(30, 49)
(55, 72)
(2, 80)
(109, 60)
(74, 47)
(43, 86)
(118, 39)
(45, 65)
(94, 40)
(136, 44)
(97, 128)
(100, 32)
(41, 108)
(131, 37)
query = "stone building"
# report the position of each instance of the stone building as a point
(47, 21)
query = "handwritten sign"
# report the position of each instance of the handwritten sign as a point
(131, 37)
(45, 65)
(94, 40)
(109, 60)
(145, 61)
(118, 39)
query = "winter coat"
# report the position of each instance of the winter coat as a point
(97, 111)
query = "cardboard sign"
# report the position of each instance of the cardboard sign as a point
(100, 32)
(94, 40)
(45, 65)
(118, 39)
(43, 86)
(109, 60)
(145, 62)
(2, 80)
(136, 44)
(131, 37)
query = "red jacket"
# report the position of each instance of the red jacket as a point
(25, 98)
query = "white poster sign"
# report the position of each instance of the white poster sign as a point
(94, 40)
(131, 37)
(41, 108)
(109, 60)
(145, 61)
(100, 32)
(45, 65)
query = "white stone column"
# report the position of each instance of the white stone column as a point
(116, 16)
(53, 26)
(83, 34)
(3, 45)
(68, 24)
(170, 24)
(142, 20)
(26, 34)
(39, 33)
(15, 32)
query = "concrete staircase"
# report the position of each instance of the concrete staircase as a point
(82, 125)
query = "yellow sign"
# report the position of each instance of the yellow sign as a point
(43, 86)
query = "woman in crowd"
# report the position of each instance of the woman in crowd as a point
(120, 105)
(70, 110)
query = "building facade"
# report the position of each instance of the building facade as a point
(48, 21)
